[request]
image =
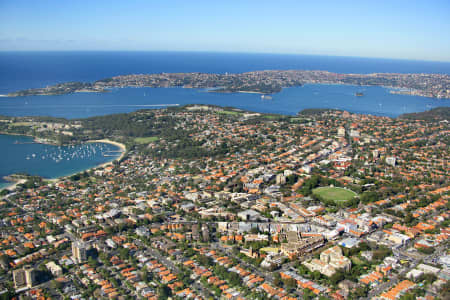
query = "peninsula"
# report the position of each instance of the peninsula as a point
(214, 203)
(264, 82)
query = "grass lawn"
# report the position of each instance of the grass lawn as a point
(335, 194)
(228, 112)
(356, 261)
(146, 140)
(270, 117)
(270, 249)
(21, 124)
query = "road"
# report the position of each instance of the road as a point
(198, 287)
(264, 274)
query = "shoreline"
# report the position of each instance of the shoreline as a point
(273, 79)
(103, 165)
(123, 148)
(13, 185)
(253, 92)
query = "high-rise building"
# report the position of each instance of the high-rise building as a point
(54, 269)
(280, 179)
(30, 275)
(24, 278)
(205, 233)
(79, 251)
(20, 280)
(391, 160)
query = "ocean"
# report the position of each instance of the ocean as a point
(24, 70)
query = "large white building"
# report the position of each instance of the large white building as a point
(330, 261)
(54, 269)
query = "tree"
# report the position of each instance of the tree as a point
(124, 253)
(144, 274)
(381, 253)
(92, 262)
(426, 250)
(290, 283)
(56, 285)
(408, 296)
(189, 252)
(277, 280)
(361, 291)
(308, 294)
(409, 218)
(164, 292)
(4, 261)
(103, 257)
(234, 279)
(429, 277)
(205, 260)
(368, 197)
(316, 275)
(337, 277)
(254, 230)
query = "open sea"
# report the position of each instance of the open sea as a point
(24, 70)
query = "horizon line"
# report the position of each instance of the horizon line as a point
(231, 52)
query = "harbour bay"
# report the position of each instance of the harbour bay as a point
(19, 70)
(19, 154)
(224, 150)
(375, 101)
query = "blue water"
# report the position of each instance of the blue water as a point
(376, 101)
(24, 70)
(49, 161)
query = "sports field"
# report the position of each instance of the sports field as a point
(334, 194)
(146, 140)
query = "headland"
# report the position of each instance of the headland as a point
(264, 82)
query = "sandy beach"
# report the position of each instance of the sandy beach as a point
(13, 185)
(121, 146)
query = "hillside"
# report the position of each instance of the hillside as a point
(438, 113)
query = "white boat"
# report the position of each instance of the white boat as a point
(266, 97)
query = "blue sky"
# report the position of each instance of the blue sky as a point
(393, 29)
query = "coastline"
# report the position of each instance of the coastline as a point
(251, 92)
(103, 165)
(122, 147)
(217, 90)
(36, 140)
(13, 185)
(273, 81)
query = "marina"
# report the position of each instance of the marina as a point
(60, 153)
(49, 161)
